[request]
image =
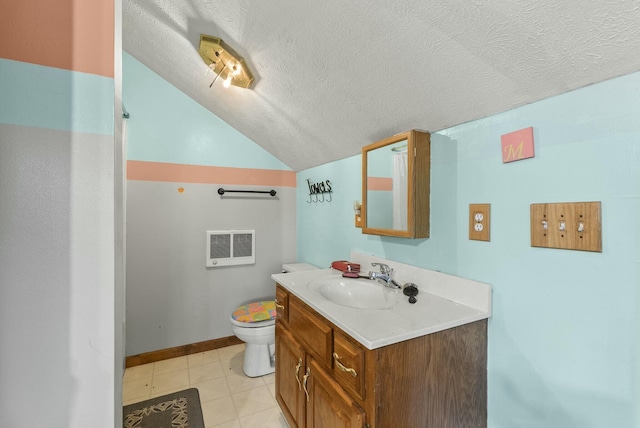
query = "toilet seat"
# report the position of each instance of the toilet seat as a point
(255, 314)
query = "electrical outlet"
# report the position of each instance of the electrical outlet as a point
(479, 221)
(357, 208)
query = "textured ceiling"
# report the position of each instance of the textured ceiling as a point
(334, 75)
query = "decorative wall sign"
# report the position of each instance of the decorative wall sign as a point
(320, 188)
(517, 145)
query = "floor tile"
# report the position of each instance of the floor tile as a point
(253, 400)
(144, 371)
(270, 418)
(233, 424)
(270, 378)
(172, 365)
(205, 372)
(234, 364)
(230, 351)
(218, 411)
(212, 389)
(136, 390)
(234, 369)
(170, 382)
(239, 383)
(203, 358)
(272, 389)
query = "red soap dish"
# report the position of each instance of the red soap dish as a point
(345, 266)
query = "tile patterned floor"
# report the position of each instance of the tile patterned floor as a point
(229, 398)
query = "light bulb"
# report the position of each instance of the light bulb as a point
(227, 81)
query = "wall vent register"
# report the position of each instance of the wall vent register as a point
(230, 247)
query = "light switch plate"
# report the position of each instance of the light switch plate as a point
(479, 222)
(567, 226)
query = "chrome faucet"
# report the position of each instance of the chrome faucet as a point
(385, 276)
(384, 269)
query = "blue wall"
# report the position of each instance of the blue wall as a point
(53, 98)
(564, 336)
(168, 126)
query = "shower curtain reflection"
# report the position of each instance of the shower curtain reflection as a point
(400, 170)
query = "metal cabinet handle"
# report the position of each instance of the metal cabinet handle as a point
(304, 382)
(349, 370)
(297, 371)
(278, 305)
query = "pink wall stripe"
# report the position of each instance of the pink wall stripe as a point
(73, 35)
(379, 183)
(180, 173)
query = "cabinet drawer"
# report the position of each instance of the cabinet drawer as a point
(348, 365)
(311, 329)
(282, 304)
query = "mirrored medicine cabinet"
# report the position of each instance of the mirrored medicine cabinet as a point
(395, 186)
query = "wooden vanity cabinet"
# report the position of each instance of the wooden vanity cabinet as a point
(306, 393)
(326, 379)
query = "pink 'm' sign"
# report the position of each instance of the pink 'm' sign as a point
(517, 145)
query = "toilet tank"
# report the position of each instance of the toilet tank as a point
(297, 267)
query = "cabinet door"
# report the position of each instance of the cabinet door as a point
(290, 367)
(328, 404)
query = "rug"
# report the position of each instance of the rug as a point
(177, 410)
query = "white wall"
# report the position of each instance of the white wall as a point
(57, 278)
(172, 298)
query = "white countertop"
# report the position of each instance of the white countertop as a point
(434, 311)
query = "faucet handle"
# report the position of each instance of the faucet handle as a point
(384, 268)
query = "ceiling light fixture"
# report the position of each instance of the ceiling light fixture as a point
(225, 62)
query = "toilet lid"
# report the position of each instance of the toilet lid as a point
(255, 312)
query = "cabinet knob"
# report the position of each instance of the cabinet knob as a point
(278, 305)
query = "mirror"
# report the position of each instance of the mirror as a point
(395, 186)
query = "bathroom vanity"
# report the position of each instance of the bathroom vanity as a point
(411, 365)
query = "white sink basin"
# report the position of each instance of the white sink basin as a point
(354, 292)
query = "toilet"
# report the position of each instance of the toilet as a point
(255, 324)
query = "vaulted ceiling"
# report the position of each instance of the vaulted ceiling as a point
(334, 75)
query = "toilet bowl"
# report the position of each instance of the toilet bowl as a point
(255, 324)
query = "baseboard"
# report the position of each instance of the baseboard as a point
(180, 351)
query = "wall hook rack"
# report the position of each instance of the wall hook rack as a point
(321, 188)
(222, 191)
